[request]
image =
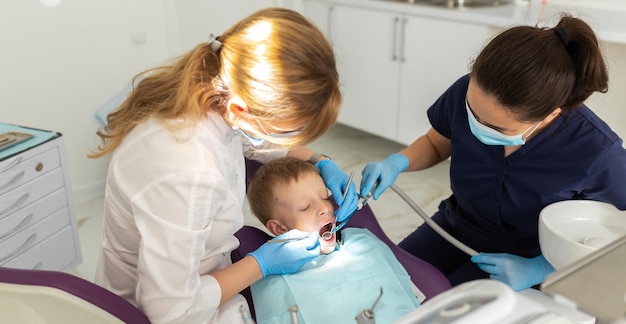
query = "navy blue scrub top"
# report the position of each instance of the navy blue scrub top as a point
(496, 200)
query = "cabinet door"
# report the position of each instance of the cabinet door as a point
(434, 54)
(365, 43)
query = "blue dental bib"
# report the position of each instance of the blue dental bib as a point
(335, 288)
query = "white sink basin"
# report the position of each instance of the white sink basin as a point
(569, 230)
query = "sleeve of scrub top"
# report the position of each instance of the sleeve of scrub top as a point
(176, 216)
(441, 113)
(608, 176)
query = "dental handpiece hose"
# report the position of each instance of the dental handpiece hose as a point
(432, 224)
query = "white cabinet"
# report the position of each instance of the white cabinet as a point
(37, 222)
(393, 65)
(434, 53)
(365, 43)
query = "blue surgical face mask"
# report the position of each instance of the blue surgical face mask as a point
(490, 136)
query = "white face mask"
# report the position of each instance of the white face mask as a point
(258, 141)
(490, 136)
(255, 141)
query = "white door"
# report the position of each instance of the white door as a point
(435, 54)
(365, 43)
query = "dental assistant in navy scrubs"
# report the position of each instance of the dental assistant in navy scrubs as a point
(519, 137)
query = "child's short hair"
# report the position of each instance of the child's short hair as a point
(281, 171)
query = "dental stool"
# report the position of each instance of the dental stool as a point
(41, 296)
(425, 276)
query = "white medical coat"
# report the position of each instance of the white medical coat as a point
(172, 205)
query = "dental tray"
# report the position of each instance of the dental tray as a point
(9, 139)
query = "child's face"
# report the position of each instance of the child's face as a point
(304, 205)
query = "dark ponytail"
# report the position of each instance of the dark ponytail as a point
(535, 70)
(583, 48)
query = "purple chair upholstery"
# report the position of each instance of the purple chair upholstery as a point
(424, 275)
(78, 287)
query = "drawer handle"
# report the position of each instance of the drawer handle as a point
(21, 249)
(14, 163)
(17, 228)
(16, 204)
(13, 181)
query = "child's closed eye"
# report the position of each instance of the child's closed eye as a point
(305, 208)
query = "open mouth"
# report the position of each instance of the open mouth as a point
(325, 232)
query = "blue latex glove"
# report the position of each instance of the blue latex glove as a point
(517, 272)
(287, 257)
(336, 181)
(384, 173)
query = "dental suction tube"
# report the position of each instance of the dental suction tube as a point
(432, 224)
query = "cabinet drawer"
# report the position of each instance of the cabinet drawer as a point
(32, 214)
(29, 192)
(29, 237)
(55, 253)
(22, 171)
(6, 162)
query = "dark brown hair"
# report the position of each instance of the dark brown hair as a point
(533, 70)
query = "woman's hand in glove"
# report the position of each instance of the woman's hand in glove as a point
(337, 181)
(287, 257)
(517, 272)
(382, 174)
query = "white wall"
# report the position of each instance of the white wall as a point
(196, 19)
(611, 106)
(59, 65)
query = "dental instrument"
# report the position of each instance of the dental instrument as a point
(345, 194)
(432, 224)
(367, 315)
(329, 234)
(286, 239)
(293, 314)
(415, 207)
(362, 201)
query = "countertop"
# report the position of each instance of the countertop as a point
(606, 20)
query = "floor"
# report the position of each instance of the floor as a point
(351, 149)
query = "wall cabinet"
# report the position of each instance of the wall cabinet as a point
(37, 222)
(393, 66)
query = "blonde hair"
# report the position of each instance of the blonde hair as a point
(277, 61)
(267, 177)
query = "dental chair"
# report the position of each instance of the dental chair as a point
(40, 296)
(424, 275)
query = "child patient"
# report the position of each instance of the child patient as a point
(346, 279)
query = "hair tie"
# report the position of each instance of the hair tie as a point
(562, 33)
(214, 44)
